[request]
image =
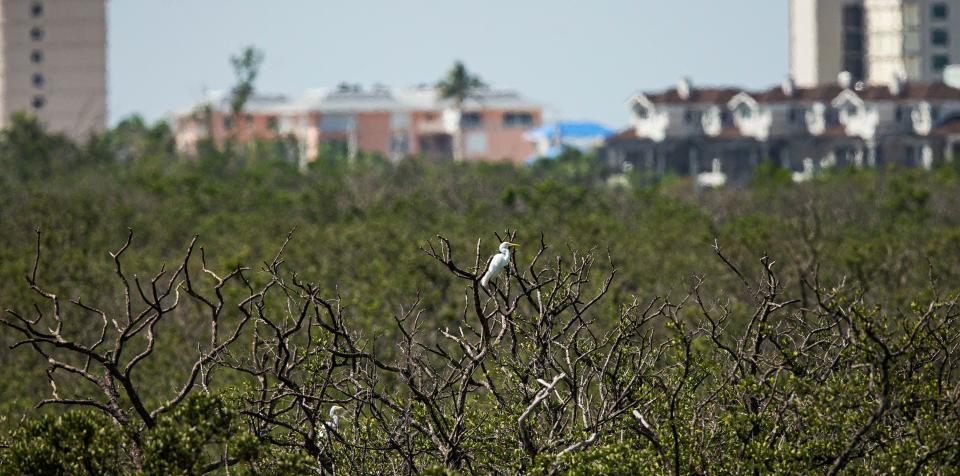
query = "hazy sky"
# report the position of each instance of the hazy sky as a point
(580, 58)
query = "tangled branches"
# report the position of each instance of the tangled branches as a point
(532, 377)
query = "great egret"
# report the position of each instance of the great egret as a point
(499, 261)
(334, 420)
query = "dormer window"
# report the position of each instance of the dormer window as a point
(743, 111)
(641, 111)
(851, 110)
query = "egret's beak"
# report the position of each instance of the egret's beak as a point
(513, 245)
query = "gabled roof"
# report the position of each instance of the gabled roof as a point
(912, 91)
(718, 96)
(377, 99)
(825, 93)
(829, 92)
(625, 135)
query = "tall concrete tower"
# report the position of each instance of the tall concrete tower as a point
(915, 39)
(53, 63)
(826, 38)
(874, 40)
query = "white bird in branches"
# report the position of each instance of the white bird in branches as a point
(334, 421)
(499, 261)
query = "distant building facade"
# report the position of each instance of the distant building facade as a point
(689, 130)
(53, 63)
(392, 122)
(874, 40)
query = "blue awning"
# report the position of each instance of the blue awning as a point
(569, 130)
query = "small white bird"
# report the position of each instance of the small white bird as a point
(334, 421)
(499, 261)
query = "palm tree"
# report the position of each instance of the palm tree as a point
(458, 85)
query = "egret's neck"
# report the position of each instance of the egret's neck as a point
(335, 421)
(506, 253)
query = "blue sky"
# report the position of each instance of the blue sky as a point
(580, 59)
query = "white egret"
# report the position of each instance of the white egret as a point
(499, 261)
(334, 421)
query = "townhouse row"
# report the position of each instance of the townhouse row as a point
(690, 130)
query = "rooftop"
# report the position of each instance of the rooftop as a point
(351, 98)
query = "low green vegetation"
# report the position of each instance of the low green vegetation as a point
(642, 328)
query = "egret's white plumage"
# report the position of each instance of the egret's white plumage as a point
(499, 261)
(334, 421)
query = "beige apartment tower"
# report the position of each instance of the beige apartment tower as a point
(826, 38)
(874, 40)
(53, 63)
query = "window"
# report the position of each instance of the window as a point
(471, 119)
(939, 11)
(939, 37)
(911, 42)
(743, 111)
(517, 119)
(273, 124)
(911, 15)
(227, 122)
(914, 65)
(36, 10)
(399, 144)
(687, 117)
(476, 144)
(38, 80)
(38, 101)
(796, 115)
(36, 57)
(940, 62)
(853, 41)
(36, 33)
(853, 51)
(641, 111)
(336, 122)
(399, 121)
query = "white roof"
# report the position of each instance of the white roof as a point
(352, 100)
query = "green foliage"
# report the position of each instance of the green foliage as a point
(246, 68)
(770, 175)
(28, 152)
(72, 443)
(459, 84)
(196, 432)
(359, 226)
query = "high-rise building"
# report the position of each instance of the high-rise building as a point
(874, 40)
(826, 38)
(53, 63)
